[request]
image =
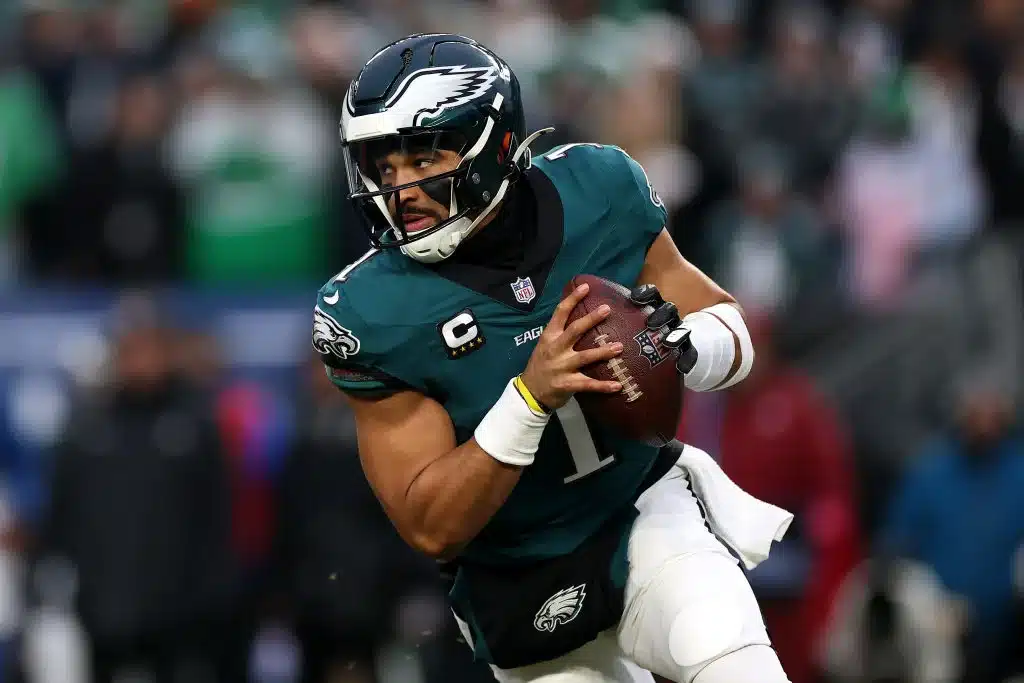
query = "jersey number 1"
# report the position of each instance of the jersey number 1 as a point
(585, 456)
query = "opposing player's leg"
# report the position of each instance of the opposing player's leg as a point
(690, 616)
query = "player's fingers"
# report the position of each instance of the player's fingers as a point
(564, 308)
(601, 353)
(665, 315)
(580, 382)
(646, 295)
(575, 330)
(677, 337)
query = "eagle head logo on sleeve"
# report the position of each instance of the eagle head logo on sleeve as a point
(560, 608)
(331, 338)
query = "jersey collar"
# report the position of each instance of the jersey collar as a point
(523, 242)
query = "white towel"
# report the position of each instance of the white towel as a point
(741, 521)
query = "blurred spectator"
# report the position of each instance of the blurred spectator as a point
(104, 56)
(329, 46)
(1001, 128)
(769, 247)
(30, 157)
(718, 97)
(893, 623)
(870, 40)
(251, 154)
(944, 119)
(525, 34)
(122, 213)
(895, 374)
(254, 425)
(908, 187)
(638, 118)
(570, 54)
(1011, 100)
(346, 574)
(328, 50)
(778, 438)
(180, 24)
(724, 83)
(138, 509)
(637, 112)
(55, 647)
(959, 513)
(200, 359)
(32, 416)
(804, 105)
(51, 37)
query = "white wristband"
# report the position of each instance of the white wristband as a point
(510, 432)
(711, 333)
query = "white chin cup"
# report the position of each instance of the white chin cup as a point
(441, 244)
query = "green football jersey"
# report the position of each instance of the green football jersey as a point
(388, 316)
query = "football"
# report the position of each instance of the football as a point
(648, 407)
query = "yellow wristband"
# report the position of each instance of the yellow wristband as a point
(524, 392)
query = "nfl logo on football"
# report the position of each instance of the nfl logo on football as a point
(524, 291)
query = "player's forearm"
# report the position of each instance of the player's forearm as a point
(455, 496)
(461, 491)
(718, 331)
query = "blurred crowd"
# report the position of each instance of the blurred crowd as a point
(851, 170)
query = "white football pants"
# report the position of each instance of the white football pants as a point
(690, 614)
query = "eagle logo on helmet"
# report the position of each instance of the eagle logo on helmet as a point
(428, 93)
(560, 608)
(331, 338)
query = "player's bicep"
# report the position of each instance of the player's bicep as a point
(678, 280)
(399, 436)
(361, 381)
(647, 206)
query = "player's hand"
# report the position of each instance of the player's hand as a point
(553, 372)
(665, 317)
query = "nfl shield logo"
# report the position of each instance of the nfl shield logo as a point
(524, 291)
(650, 343)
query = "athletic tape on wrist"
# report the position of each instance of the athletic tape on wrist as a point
(731, 316)
(510, 431)
(711, 333)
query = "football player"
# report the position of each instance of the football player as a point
(578, 556)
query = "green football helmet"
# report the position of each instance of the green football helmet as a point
(420, 95)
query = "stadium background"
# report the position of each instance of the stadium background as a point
(180, 495)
